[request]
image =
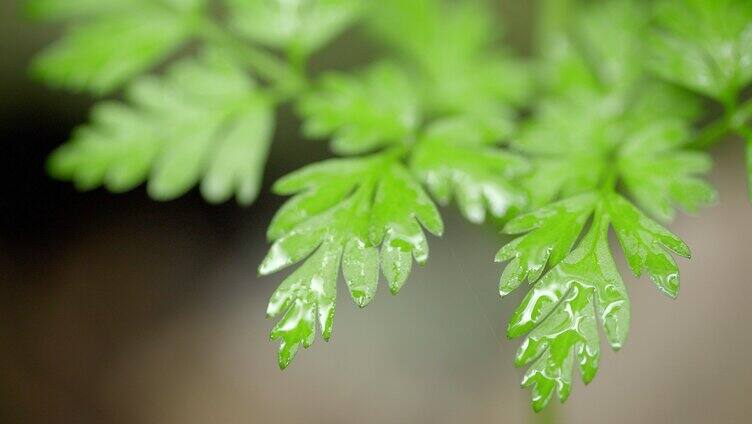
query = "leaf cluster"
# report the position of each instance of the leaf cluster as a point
(611, 142)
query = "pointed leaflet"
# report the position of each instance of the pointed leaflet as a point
(203, 120)
(660, 174)
(705, 45)
(116, 41)
(550, 235)
(373, 110)
(297, 26)
(645, 242)
(456, 158)
(342, 211)
(560, 313)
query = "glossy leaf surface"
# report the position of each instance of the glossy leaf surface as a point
(608, 125)
(560, 311)
(645, 244)
(358, 214)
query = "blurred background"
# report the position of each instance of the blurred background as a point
(118, 309)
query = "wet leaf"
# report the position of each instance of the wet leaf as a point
(343, 211)
(560, 311)
(645, 244)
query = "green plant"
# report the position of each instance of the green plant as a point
(599, 131)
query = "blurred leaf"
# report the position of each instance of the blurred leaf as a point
(360, 214)
(362, 113)
(569, 140)
(452, 47)
(456, 159)
(203, 120)
(300, 26)
(660, 174)
(705, 45)
(113, 41)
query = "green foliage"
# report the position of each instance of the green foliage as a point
(659, 174)
(705, 45)
(451, 48)
(456, 159)
(559, 313)
(114, 40)
(299, 27)
(362, 113)
(203, 121)
(608, 124)
(444, 112)
(343, 211)
(571, 287)
(364, 212)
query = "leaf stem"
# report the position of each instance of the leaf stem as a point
(285, 80)
(734, 119)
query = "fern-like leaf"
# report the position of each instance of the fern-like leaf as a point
(203, 121)
(362, 113)
(299, 27)
(456, 159)
(114, 41)
(705, 45)
(358, 214)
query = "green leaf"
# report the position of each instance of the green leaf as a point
(573, 287)
(644, 243)
(450, 45)
(433, 32)
(611, 37)
(298, 26)
(660, 174)
(559, 314)
(115, 40)
(456, 159)
(573, 140)
(602, 50)
(705, 45)
(551, 233)
(376, 109)
(360, 214)
(203, 120)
